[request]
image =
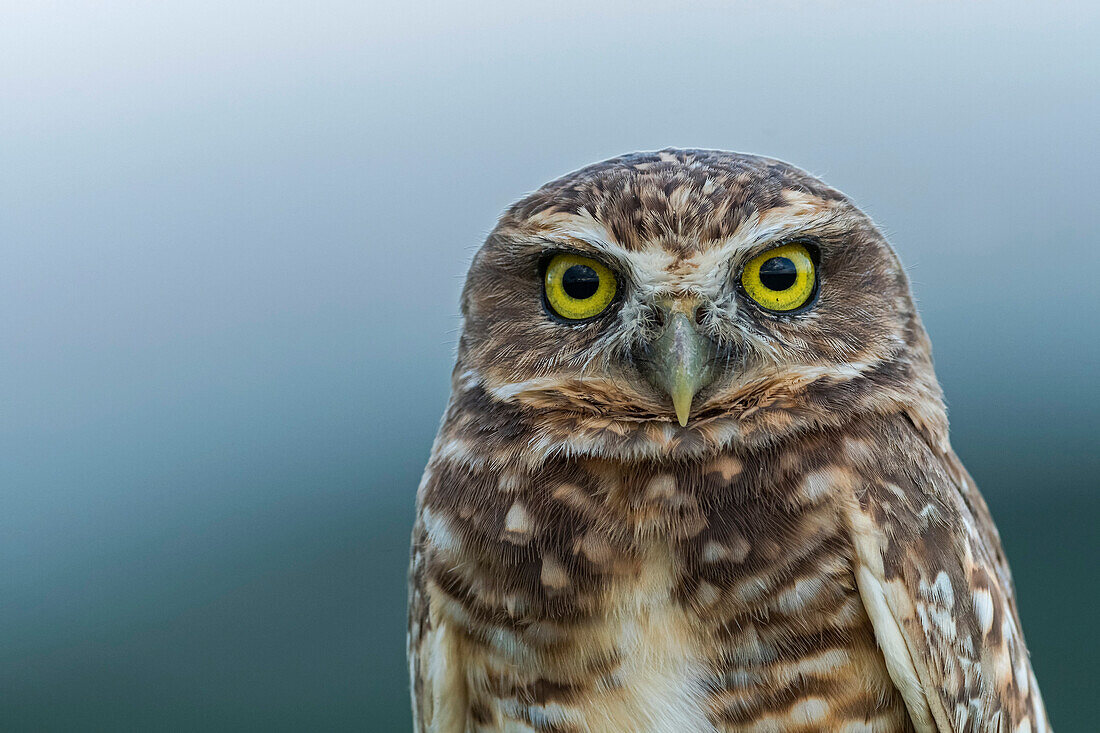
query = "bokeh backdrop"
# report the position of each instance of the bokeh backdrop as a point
(233, 237)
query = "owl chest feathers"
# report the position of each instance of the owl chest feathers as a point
(702, 595)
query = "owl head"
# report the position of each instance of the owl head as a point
(682, 300)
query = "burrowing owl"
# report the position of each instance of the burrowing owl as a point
(695, 476)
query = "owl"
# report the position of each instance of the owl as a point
(694, 475)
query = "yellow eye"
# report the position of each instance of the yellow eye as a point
(578, 287)
(781, 279)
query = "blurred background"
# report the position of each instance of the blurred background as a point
(233, 237)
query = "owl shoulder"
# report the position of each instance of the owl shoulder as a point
(934, 580)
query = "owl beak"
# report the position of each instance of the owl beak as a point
(680, 360)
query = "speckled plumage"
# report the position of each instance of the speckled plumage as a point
(806, 554)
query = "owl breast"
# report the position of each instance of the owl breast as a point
(702, 596)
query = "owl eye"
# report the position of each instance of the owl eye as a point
(578, 287)
(782, 279)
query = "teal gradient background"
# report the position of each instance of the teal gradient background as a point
(232, 238)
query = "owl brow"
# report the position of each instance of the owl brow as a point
(587, 245)
(581, 246)
(756, 236)
(579, 230)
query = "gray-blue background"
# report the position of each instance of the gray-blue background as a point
(232, 237)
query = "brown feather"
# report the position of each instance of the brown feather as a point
(583, 563)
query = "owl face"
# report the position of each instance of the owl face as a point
(681, 288)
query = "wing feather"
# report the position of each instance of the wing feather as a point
(933, 577)
(437, 681)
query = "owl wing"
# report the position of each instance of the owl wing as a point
(936, 586)
(436, 677)
(418, 630)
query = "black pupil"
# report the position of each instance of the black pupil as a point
(580, 282)
(778, 273)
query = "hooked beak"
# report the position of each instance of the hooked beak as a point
(680, 360)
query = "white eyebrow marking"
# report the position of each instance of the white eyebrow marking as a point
(655, 269)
